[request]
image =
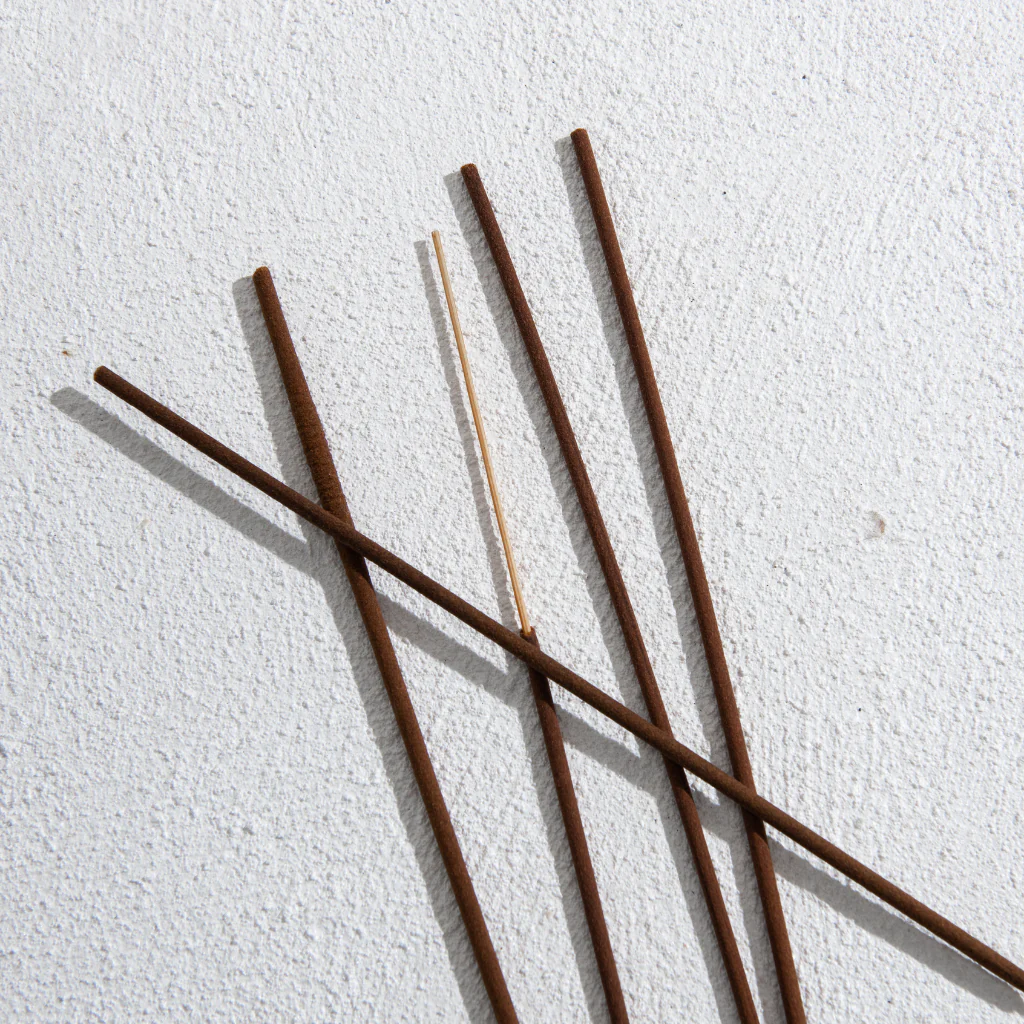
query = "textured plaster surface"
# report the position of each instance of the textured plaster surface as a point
(206, 811)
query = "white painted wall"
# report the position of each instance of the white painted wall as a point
(207, 814)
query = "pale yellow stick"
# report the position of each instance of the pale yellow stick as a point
(524, 619)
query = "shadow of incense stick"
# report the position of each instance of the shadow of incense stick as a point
(317, 559)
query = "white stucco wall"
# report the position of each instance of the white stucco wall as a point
(207, 813)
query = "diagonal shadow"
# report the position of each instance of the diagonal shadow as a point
(875, 917)
(316, 557)
(143, 452)
(652, 763)
(523, 703)
(578, 733)
(870, 914)
(848, 901)
(325, 567)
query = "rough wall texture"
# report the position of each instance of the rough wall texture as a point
(207, 814)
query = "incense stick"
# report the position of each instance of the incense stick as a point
(521, 648)
(617, 589)
(550, 727)
(325, 476)
(711, 638)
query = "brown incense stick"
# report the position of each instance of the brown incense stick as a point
(550, 728)
(617, 588)
(527, 652)
(714, 653)
(325, 477)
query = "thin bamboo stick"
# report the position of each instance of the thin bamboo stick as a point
(481, 433)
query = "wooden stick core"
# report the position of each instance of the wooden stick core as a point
(478, 422)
